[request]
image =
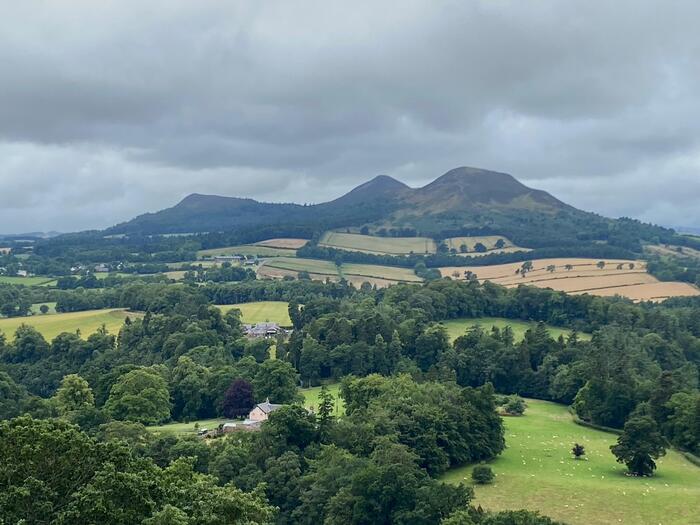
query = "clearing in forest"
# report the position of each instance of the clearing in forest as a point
(261, 312)
(458, 327)
(377, 245)
(537, 471)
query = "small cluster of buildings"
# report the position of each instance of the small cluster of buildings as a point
(238, 259)
(265, 330)
(256, 417)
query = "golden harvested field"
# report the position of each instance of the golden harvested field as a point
(285, 243)
(378, 245)
(617, 277)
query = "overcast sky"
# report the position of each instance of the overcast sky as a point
(113, 108)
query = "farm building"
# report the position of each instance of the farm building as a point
(263, 329)
(228, 258)
(262, 411)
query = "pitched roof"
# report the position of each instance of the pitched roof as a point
(268, 407)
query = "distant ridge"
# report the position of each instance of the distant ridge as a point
(462, 197)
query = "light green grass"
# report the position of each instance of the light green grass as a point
(311, 398)
(36, 308)
(457, 327)
(379, 245)
(184, 429)
(26, 281)
(537, 472)
(262, 311)
(247, 249)
(319, 267)
(381, 272)
(309, 265)
(87, 322)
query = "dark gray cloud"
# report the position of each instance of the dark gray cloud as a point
(110, 109)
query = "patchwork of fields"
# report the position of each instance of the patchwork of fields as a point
(88, 322)
(578, 276)
(537, 471)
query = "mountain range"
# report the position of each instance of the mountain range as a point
(461, 198)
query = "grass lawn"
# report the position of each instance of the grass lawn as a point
(185, 429)
(262, 311)
(311, 398)
(87, 322)
(248, 249)
(457, 327)
(537, 472)
(379, 245)
(27, 281)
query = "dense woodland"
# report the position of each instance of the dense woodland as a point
(416, 404)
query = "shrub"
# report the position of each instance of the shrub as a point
(482, 474)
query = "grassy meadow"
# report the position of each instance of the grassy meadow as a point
(36, 308)
(311, 398)
(187, 429)
(87, 322)
(380, 245)
(262, 311)
(457, 327)
(537, 471)
(248, 250)
(27, 281)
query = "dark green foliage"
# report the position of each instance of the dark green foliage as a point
(482, 474)
(578, 451)
(638, 445)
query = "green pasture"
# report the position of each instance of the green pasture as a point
(457, 327)
(262, 311)
(311, 398)
(87, 322)
(538, 472)
(26, 281)
(185, 429)
(249, 250)
(379, 245)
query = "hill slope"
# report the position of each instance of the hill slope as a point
(463, 201)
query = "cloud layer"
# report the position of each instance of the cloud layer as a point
(111, 109)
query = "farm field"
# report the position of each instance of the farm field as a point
(311, 398)
(489, 241)
(378, 245)
(283, 243)
(618, 277)
(87, 322)
(321, 270)
(250, 250)
(261, 311)
(458, 327)
(26, 281)
(537, 471)
(185, 429)
(382, 272)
